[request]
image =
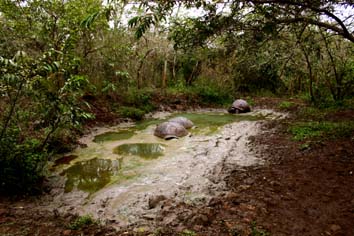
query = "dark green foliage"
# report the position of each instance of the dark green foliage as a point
(132, 112)
(139, 99)
(21, 164)
(213, 95)
(40, 89)
(258, 232)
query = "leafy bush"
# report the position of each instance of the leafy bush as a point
(138, 96)
(21, 164)
(140, 99)
(213, 95)
(132, 112)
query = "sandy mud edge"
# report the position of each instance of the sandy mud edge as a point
(193, 175)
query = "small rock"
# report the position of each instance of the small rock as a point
(3, 212)
(82, 145)
(197, 228)
(243, 187)
(335, 228)
(155, 200)
(100, 211)
(67, 232)
(149, 217)
(231, 195)
(200, 220)
(111, 221)
(215, 201)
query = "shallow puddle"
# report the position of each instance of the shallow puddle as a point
(115, 176)
(113, 136)
(209, 123)
(92, 175)
(144, 150)
(119, 153)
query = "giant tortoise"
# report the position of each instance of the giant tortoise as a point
(170, 130)
(183, 121)
(239, 106)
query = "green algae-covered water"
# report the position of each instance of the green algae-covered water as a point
(144, 150)
(112, 136)
(119, 154)
(90, 176)
(209, 123)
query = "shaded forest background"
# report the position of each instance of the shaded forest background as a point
(62, 60)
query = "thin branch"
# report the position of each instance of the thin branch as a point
(319, 24)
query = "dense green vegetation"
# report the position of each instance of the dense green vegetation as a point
(60, 58)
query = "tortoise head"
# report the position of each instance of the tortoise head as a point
(233, 110)
(169, 137)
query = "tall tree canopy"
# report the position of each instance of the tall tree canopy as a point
(230, 15)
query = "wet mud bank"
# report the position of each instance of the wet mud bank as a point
(123, 182)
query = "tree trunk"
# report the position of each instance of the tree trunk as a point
(309, 67)
(141, 63)
(337, 90)
(12, 110)
(164, 75)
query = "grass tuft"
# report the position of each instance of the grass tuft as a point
(321, 129)
(81, 222)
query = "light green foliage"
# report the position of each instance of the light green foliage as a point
(188, 232)
(286, 105)
(81, 222)
(310, 130)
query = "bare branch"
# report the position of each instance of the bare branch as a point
(321, 24)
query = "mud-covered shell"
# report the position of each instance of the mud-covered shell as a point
(168, 130)
(241, 105)
(183, 121)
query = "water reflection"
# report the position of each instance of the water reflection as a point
(113, 136)
(209, 123)
(64, 160)
(92, 175)
(144, 150)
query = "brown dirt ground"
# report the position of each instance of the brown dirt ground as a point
(297, 192)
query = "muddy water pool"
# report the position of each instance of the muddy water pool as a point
(117, 154)
(123, 166)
